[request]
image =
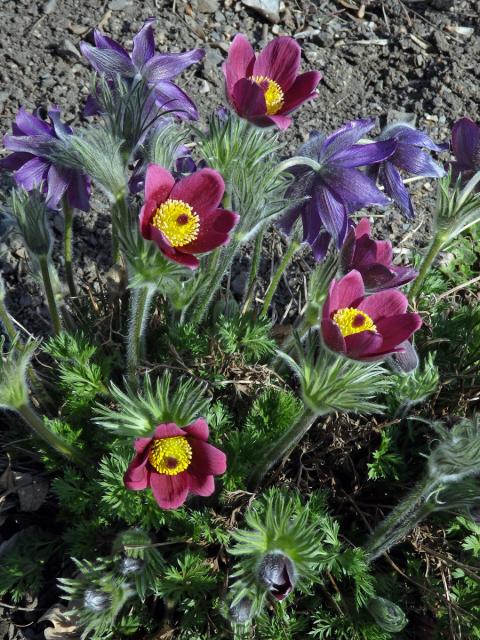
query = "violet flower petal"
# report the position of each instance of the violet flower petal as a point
(107, 61)
(32, 173)
(466, 143)
(144, 44)
(394, 187)
(416, 162)
(364, 154)
(165, 66)
(346, 136)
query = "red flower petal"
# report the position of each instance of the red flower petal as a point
(384, 252)
(346, 292)
(214, 231)
(302, 89)
(198, 429)
(282, 122)
(168, 430)
(239, 63)
(170, 492)
(248, 99)
(203, 190)
(171, 252)
(206, 459)
(363, 343)
(141, 444)
(201, 485)
(279, 61)
(136, 476)
(332, 336)
(395, 330)
(362, 228)
(146, 214)
(384, 304)
(158, 183)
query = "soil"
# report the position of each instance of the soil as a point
(379, 58)
(388, 59)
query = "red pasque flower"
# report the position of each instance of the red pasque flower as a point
(366, 327)
(373, 259)
(266, 88)
(183, 218)
(175, 462)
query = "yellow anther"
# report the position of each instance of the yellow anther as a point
(177, 221)
(351, 320)
(170, 456)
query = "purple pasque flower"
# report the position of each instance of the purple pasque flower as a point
(373, 260)
(466, 147)
(157, 69)
(410, 158)
(32, 142)
(337, 187)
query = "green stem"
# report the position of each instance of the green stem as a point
(282, 447)
(298, 160)
(435, 247)
(119, 216)
(44, 263)
(293, 247)
(411, 510)
(67, 246)
(254, 266)
(62, 447)
(6, 321)
(139, 308)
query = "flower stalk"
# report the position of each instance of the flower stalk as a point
(292, 249)
(67, 246)
(427, 261)
(139, 308)
(45, 271)
(283, 446)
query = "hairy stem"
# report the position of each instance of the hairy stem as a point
(434, 249)
(62, 447)
(6, 321)
(44, 263)
(139, 308)
(67, 246)
(293, 247)
(282, 447)
(119, 216)
(411, 510)
(254, 266)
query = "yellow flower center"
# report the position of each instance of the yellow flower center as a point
(351, 320)
(177, 221)
(170, 455)
(273, 93)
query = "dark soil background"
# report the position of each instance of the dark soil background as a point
(380, 58)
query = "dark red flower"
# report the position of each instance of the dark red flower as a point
(373, 259)
(366, 327)
(266, 88)
(175, 462)
(183, 218)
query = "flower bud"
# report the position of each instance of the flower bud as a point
(130, 566)
(277, 573)
(241, 612)
(96, 600)
(387, 614)
(30, 212)
(405, 362)
(457, 455)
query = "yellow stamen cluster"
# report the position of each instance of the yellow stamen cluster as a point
(177, 221)
(170, 456)
(274, 98)
(351, 320)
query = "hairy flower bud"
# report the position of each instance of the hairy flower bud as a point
(277, 573)
(405, 361)
(387, 614)
(457, 456)
(30, 211)
(130, 566)
(241, 612)
(96, 600)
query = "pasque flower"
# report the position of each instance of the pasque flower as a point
(183, 218)
(108, 57)
(175, 462)
(277, 573)
(265, 89)
(328, 195)
(33, 141)
(466, 147)
(408, 157)
(366, 327)
(373, 259)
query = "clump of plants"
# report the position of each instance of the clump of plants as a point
(193, 452)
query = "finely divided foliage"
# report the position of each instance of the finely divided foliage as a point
(216, 472)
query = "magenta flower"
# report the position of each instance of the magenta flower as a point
(33, 143)
(466, 147)
(266, 88)
(373, 260)
(183, 218)
(366, 327)
(175, 462)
